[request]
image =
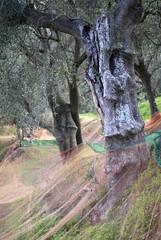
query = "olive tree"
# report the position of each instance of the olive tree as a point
(110, 75)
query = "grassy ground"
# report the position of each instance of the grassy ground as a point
(136, 215)
(145, 110)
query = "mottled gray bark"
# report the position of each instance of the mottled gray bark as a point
(110, 74)
(64, 127)
(74, 92)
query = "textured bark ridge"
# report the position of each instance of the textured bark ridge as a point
(111, 78)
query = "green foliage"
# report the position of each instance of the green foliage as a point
(83, 113)
(90, 173)
(145, 109)
(10, 11)
(105, 231)
(41, 225)
(67, 227)
(97, 147)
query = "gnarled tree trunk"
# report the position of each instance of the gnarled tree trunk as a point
(64, 126)
(110, 74)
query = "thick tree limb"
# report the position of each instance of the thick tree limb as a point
(74, 26)
(127, 15)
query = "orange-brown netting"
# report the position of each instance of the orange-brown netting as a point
(153, 124)
(41, 190)
(38, 187)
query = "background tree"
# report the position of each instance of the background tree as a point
(65, 71)
(147, 44)
(41, 53)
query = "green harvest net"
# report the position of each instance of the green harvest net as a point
(153, 140)
(39, 143)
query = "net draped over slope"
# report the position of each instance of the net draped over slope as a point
(41, 191)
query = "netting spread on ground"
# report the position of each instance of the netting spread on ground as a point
(40, 190)
(44, 196)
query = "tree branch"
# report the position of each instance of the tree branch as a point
(127, 15)
(81, 59)
(73, 26)
(47, 37)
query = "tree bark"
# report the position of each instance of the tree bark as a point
(74, 102)
(145, 76)
(110, 75)
(73, 91)
(64, 127)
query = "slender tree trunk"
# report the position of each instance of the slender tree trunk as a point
(147, 83)
(146, 80)
(74, 93)
(74, 102)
